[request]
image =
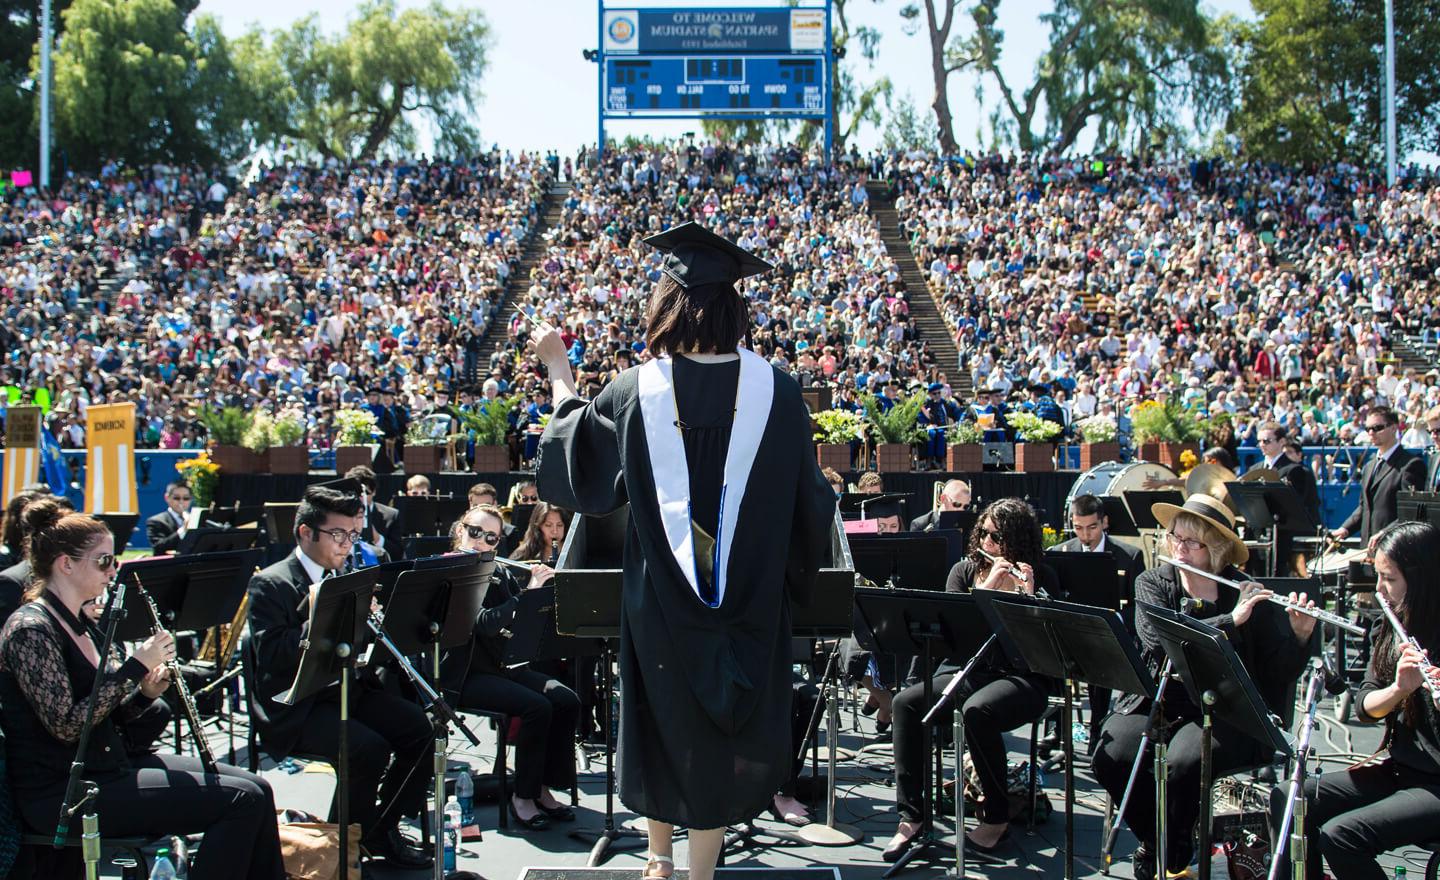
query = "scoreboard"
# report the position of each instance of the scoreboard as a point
(793, 85)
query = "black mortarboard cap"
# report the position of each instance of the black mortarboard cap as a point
(344, 485)
(696, 256)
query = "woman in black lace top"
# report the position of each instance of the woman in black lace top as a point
(49, 653)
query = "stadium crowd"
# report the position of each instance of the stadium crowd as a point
(1256, 291)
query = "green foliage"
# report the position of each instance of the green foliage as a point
(288, 428)
(355, 427)
(1033, 429)
(491, 423)
(226, 426)
(838, 426)
(257, 437)
(1170, 422)
(1314, 89)
(899, 424)
(963, 432)
(1097, 429)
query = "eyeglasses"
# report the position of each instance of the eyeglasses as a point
(480, 533)
(1188, 543)
(103, 561)
(340, 536)
(988, 533)
(1269, 439)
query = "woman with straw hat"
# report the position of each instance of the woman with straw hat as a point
(1200, 534)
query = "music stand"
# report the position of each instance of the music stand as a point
(1271, 506)
(520, 517)
(1069, 642)
(1087, 578)
(1418, 506)
(205, 539)
(418, 513)
(910, 561)
(1117, 515)
(422, 546)
(533, 636)
(1218, 683)
(910, 623)
(233, 516)
(121, 526)
(854, 504)
(1139, 502)
(279, 521)
(191, 592)
(960, 520)
(336, 631)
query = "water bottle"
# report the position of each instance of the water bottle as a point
(452, 833)
(163, 868)
(465, 794)
(1399, 872)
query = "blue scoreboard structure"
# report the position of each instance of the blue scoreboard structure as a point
(715, 62)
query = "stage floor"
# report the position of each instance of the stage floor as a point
(865, 800)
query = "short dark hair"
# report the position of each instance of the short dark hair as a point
(1221, 456)
(1385, 413)
(483, 489)
(319, 502)
(364, 475)
(706, 317)
(1087, 505)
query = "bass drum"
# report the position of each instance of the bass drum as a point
(1113, 479)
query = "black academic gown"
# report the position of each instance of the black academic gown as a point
(705, 692)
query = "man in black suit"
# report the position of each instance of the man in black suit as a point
(167, 528)
(380, 524)
(1392, 469)
(381, 725)
(954, 495)
(1432, 470)
(1275, 442)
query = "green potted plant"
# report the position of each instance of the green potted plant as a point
(289, 454)
(1036, 449)
(963, 452)
(355, 431)
(491, 426)
(425, 445)
(1164, 431)
(228, 428)
(895, 431)
(1098, 443)
(836, 430)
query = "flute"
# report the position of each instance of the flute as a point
(514, 564)
(1317, 613)
(1016, 573)
(1428, 669)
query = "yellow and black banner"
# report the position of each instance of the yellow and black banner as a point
(22, 450)
(110, 459)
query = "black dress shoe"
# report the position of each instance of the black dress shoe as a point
(562, 813)
(537, 822)
(398, 850)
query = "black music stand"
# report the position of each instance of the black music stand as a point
(520, 517)
(854, 505)
(1271, 506)
(206, 539)
(1088, 578)
(233, 516)
(418, 513)
(1218, 683)
(1418, 507)
(533, 636)
(1139, 502)
(121, 526)
(1069, 642)
(279, 519)
(336, 632)
(1117, 516)
(911, 622)
(422, 546)
(911, 561)
(959, 520)
(191, 592)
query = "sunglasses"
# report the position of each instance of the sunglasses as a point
(1373, 428)
(103, 561)
(479, 533)
(988, 533)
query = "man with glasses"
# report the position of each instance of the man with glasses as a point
(1273, 439)
(327, 525)
(380, 523)
(1392, 469)
(167, 528)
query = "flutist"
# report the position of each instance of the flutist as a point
(1392, 800)
(49, 655)
(1202, 535)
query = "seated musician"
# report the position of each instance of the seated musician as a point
(954, 495)
(476, 675)
(49, 653)
(417, 485)
(544, 534)
(1005, 554)
(381, 725)
(1200, 534)
(1357, 814)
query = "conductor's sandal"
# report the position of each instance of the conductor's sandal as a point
(658, 867)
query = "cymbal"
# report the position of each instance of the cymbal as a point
(1210, 479)
(1261, 475)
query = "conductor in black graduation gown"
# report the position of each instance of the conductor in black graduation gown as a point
(711, 447)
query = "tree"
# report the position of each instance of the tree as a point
(939, 20)
(353, 95)
(1312, 85)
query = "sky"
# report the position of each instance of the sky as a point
(540, 93)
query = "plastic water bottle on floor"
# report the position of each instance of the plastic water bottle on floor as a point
(163, 869)
(452, 833)
(465, 794)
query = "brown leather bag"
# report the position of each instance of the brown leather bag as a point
(311, 850)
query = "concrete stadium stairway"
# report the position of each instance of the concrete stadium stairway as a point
(496, 336)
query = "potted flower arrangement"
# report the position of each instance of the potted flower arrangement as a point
(491, 427)
(227, 427)
(895, 431)
(202, 475)
(837, 430)
(964, 453)
(1165, 430)
(1036, 449)
(288, 451)
(355, 444)
(424, 446)
(1098, 443)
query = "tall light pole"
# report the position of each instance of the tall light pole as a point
(45, 37)
(1390, 166)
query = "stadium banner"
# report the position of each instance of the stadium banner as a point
(766, 29)
(22, 450)
(110, 459)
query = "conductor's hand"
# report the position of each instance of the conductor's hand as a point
(540, 575)
(545, 341)
(1409, 669)
(155, 682)
(1251, 594)
(157, 650)
(1301, 624)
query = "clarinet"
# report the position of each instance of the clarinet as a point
(187, 703)
(1401, 637)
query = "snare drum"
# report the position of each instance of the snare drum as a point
(1333, 563)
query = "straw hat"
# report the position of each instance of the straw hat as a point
(1212, 511)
